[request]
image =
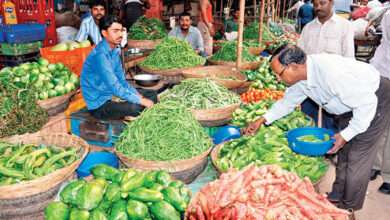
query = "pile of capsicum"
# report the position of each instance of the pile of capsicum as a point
(116, 194)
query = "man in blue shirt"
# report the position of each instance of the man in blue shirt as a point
(188, 33)
(102, 78)
(306, 13)
(90, 25)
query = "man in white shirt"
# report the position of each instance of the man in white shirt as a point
(295, 8)
(350, 89)
(374, 4)
(381, 61)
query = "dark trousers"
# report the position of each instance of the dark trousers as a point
(311, 108)
(357, 156)
(118, 110)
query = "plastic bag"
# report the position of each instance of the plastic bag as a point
(361, 12)
(66, 34)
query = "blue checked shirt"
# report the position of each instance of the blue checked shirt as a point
(88, 27)
(194, 38)
(102, 78)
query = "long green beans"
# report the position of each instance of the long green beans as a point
(147, 29)
(172, 53)
(166, 132)
(201, 94)
(228, 53)
(252, 32)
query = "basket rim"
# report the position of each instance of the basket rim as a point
(58, 98)
(175, 71)
(37, 181)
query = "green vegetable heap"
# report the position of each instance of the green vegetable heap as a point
(116, 194)
(269, 146)
(312, 138)
(23, 162)
(147, 29)
(252, 32)
(246, 43)
(172, 53)
(280, 42)
(251, 112)
(163, 133)
(228, 53)
(200, 94)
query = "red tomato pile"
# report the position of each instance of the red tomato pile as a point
(258, 94)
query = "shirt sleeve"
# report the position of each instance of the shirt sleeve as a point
(292, 98)
(112, 80)
(378, 18)
(172, 33)
(83, 32)
(349, 44)
(199, 41)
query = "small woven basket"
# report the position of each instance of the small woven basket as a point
(244, 65)
(143, 44)
(57, 104)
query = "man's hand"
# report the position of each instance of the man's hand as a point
(211, 30)
(252, 127)
(338, 144)
(146, 102)
(198, 51)
(367, 30)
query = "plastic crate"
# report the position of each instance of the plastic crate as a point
(11, 51)
(21, 58)
(23, 33)
(51, 36)
(73, 59)
(21, 46)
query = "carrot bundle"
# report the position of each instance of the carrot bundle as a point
(265, 192)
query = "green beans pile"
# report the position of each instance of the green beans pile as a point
(172, 53)
(228, 53)
(246, 43)
(166, 132)
(147, 29)
(252, 32)
(200, 94)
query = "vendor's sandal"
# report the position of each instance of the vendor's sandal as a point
(333, 197)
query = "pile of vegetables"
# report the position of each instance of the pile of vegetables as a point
(313, 138)
(172, 53)
(71, 46)
(20, 113)
(116, 194)
(147, 29)
(228, 53)
(253, 111)
(166, 132)
(265, 192)
(255, 95)
(48, 79)
(252, 32)
(246, 43)
(275, 29)
(269, 146)
(200, 94)
(285, 39)
(264, 77)
(23, 162)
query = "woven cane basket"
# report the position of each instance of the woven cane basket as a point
(57, 104)
(244, 65)
(143, 44)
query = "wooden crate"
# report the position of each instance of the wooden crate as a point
(56, 124)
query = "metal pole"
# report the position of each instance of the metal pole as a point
(240, 33)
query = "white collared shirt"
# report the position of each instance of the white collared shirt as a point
(339, 85)
(381, 59)
(335, 36)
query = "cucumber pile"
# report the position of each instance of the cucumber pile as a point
(116, 194)
(48, 79)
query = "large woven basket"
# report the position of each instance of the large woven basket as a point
(47, 182)
(268, 42)
(143, 44)
(185, 170)
(256, 50)
(168, 72)
(210, 71)
(243, 88)
(214, 157)
(215, 114)
(244, 65)
(57, 104)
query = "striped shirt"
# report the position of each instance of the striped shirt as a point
(89, 28)
(335, 36)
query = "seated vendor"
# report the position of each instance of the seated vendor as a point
(189, 33)
(231, 24)
(90, 25)
(102, 78)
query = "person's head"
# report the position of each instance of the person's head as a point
(97, 9)
(111, 29)
(236, 13)
(288, 63)
(185, 20)
(323, 8)
(364, 2)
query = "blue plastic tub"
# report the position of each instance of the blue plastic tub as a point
(226, 133)
(310, 148)
(22, 33)
(96, 158)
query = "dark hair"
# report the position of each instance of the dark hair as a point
(289, 53)
(106, 21)
(93, 3)
(235, 9)
(185, 13)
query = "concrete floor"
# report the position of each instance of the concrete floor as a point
(376, 204)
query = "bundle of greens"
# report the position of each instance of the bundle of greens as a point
(166, 132)
(172, 53)
(246, 43)
(252, 32)
(147, 29)
(228, 53)
(200, 94)
(19, 111)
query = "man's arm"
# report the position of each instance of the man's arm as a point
(83, 32)
(203, 6)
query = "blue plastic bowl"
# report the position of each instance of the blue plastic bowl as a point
(310, 148)
(226, 133)
(96, 158)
